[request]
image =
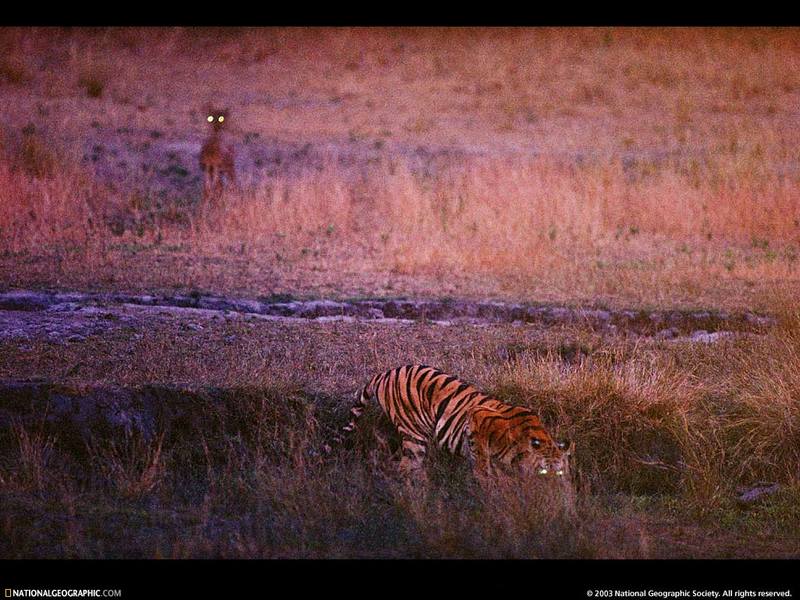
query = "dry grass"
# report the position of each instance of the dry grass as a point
(240, 494)
(581, 232)
(256, 486)
(133, 466)
(765, 413)
(34, 454)
(575, 164)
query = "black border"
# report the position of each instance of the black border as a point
(407, 13)
(563, 579)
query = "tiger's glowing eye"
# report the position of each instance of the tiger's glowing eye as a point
(536, 443)
(221, 119)
(542, 471)
(210, 119)
(559, 472)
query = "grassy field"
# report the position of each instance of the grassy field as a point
(593, 165)
(627, 168)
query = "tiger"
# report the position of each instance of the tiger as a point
(217, 159)
(428, 406)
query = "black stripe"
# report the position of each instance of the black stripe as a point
(493, 436)
(445, 401)
(414, 405)
(484, 401)
(508, 449)
(431, 386)
(400, 413)
(459, 447)
(493, 418)
(528, 428)
(388, 392)
(421, 381)
(380, 389)
(373, 383)
(518, 456)
(459, 424)
(456, 411)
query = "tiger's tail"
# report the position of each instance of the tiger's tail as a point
(363, 398)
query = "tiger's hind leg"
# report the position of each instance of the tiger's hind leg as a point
(412, 460)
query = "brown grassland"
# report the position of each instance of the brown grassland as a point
(635, 168)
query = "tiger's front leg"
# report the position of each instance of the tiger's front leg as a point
(478, 455)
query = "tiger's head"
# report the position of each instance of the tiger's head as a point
(547, 457)
(518, 439)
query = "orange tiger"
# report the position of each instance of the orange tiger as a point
(428, 406)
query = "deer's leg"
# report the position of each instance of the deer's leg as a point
(230, 171)
(209, 180)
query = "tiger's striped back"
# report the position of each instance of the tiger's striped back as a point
(427, 406)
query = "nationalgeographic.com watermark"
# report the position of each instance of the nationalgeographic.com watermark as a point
(735, 594)
(61, 593)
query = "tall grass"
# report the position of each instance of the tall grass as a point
(244, 481)
(629, 419)
(34, 455)
(47, 201)
(495, 215)
(763, 427)
(133, 466)
(577, 233)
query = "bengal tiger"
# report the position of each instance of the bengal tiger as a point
(427, 406)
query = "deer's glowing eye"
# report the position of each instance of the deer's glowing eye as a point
(221, 119)
(542, 471)
(536, 443)
(559, 472)
(210, 119)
